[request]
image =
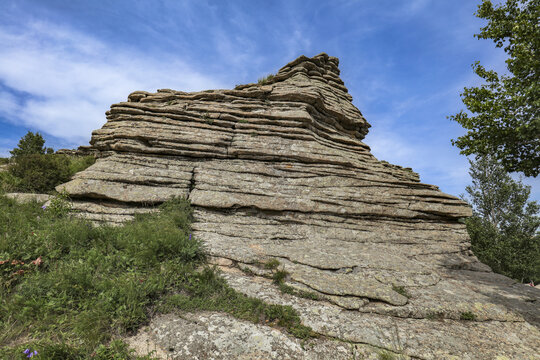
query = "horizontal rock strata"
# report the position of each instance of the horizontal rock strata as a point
(278, 170)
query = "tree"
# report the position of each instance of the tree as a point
(505, 120)
(31, 144)
(504, 226)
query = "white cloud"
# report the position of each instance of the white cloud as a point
(70, 79)
(8, 102)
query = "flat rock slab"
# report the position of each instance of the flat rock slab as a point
(28, 197)
(213, 336)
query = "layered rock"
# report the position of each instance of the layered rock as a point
(278, 170)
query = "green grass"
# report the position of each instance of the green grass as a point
(384, 355)
(271, 264)
(286, 289)
(467, 316)
(401, 290)
(265, 80)
(69, 289)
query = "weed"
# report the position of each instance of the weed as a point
(279, 276)
(272, 264)
(286, 289)
(467, 316)
(385, 355)
(401, 290)
(247, 271)
(59, 206)
(242, 121)
(206, 117)
(266, 79)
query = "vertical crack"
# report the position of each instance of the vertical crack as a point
(191, 185)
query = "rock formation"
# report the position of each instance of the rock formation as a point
(278, 170)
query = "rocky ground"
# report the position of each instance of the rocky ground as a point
(278, 170)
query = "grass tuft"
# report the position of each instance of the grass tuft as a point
(401, 290)
(467, 316)
(271, 264)
(265, 80)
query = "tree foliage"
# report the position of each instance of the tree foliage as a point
(34, 168)
(505, 118)
(40, 172)
(504, 226)
(31, 144)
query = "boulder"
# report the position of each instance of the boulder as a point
(279, 170)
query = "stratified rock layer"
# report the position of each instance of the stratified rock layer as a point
(279, 171)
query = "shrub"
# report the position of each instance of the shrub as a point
(40, 173)
(8, 182)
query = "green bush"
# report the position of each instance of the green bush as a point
(8, 182)
(4, 161)
(512, 253)
(41, 173)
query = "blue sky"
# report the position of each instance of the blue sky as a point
(63, 63)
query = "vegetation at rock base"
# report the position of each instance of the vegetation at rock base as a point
(70, 289)
(504, 226)
(34, 168)
(505, 120)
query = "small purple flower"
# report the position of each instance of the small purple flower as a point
(29, 353)
(189, 237)
(44, 207)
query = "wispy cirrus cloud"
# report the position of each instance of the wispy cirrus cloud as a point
(60, 81)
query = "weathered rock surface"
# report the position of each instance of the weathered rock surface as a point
(80, 151)
(279, 171)
(28, 197)
(220, 336)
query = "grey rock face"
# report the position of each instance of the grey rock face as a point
(279, 171)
